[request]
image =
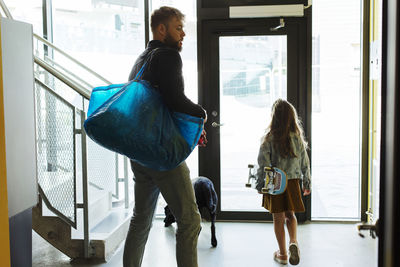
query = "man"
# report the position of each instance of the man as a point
(164, 72)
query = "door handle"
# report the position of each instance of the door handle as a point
(373, 229)
(215, 124)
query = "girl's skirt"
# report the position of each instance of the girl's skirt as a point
(290, 200)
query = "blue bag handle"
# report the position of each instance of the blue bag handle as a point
(140, 73)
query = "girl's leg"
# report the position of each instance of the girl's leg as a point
(279, 228)
(291, 223)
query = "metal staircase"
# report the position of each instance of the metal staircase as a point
(84, 208)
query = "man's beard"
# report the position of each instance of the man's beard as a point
(169, 41)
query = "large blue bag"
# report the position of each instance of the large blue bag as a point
(131, 119)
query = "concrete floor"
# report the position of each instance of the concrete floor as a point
(240, 244)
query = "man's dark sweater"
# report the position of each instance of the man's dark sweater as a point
(164, 72)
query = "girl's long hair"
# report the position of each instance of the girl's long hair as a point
(284, 121)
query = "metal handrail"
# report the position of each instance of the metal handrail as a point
(77, 87)
(71, 58)
(5, 9)
(59, 66)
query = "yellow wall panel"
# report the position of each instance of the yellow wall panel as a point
(4, 228)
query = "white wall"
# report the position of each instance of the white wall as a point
(19, 113)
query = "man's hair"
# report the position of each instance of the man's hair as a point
(163, 15)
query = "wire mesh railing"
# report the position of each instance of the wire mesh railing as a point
(56, 166)
(102, 164)
(102, 173)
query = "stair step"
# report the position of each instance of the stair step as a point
(110, 233)
(105, 237)
(108, 225)
(100, 203)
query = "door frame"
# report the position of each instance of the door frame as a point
(389, 206)
(298, 86)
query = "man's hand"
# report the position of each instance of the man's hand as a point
(203, 139)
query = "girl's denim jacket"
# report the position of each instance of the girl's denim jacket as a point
(294, 167)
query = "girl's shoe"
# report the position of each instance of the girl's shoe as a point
(278, 257)
(294, 253)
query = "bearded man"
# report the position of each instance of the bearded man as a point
(164, 71)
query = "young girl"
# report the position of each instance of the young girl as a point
(284, 147)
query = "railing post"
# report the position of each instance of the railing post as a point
(126, 182)
(86, 240)
(116, 176)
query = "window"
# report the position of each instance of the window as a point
(336, 110)
(105, 35)
(27, 11)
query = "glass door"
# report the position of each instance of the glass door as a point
(252, 75)
(247, 66)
